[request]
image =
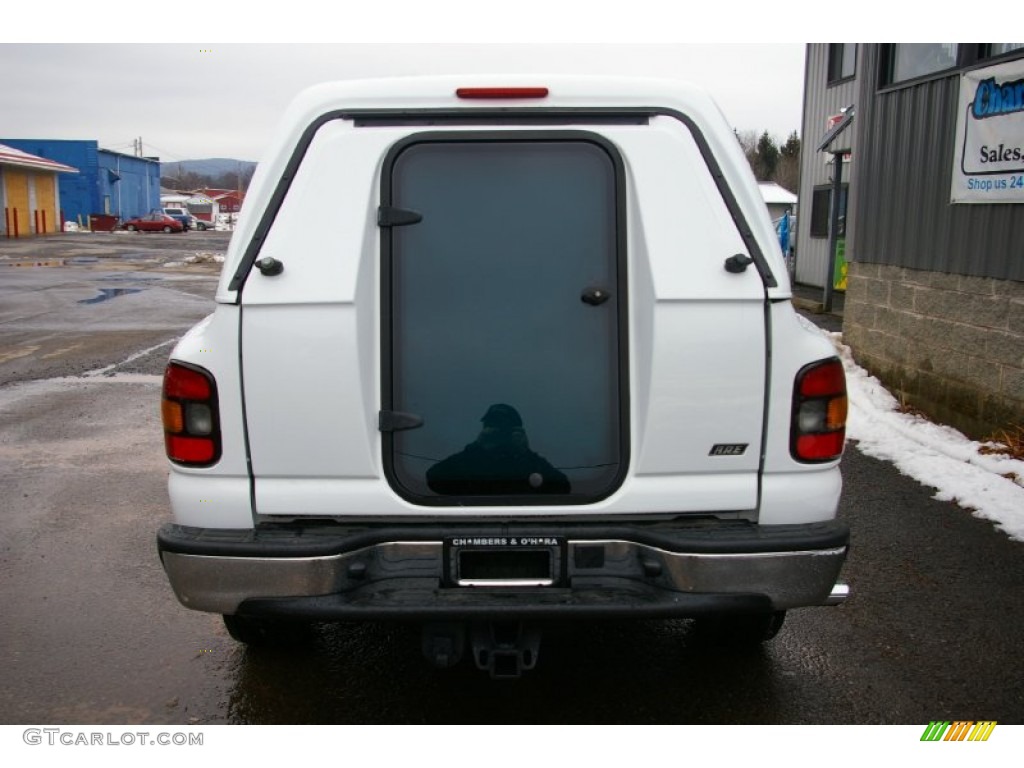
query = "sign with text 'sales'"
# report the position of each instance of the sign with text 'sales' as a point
(988, 161)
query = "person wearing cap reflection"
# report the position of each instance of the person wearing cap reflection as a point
(499, 461)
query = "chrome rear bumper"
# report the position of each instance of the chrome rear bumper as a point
(400, 578)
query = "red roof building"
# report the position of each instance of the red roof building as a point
(228, 200)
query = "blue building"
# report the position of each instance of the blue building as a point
(107, 183)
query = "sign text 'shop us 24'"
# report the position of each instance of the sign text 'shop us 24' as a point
(988, 158)
(960, 730)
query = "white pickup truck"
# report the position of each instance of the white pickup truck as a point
(492, 351)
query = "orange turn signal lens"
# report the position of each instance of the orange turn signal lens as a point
(174, 422)
(838, 407)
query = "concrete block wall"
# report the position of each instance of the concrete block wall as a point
(951, 346)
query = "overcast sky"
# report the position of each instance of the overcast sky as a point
(223, 100)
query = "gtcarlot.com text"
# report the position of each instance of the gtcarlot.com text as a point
(71, 738)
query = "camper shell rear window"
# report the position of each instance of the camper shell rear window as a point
(504, 312)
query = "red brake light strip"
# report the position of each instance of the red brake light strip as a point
(505, 92)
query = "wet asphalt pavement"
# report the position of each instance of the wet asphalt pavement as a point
(91, 633)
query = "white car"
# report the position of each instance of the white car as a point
(180, 215)
(488, 352)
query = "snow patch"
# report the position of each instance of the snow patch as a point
(990, 485)
(201, 257)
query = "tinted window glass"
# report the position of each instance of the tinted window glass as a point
(842, 61)
(515, 376)
(1000, 48)
(821, 211)
(912, 60)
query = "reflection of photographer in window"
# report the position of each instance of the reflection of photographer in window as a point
(499, 461)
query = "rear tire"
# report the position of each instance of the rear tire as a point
(266, 632)
(167, 228)
(739, 630)
(130, 227)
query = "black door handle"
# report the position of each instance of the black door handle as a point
(595, 296)
(270, 266)
(738, 264)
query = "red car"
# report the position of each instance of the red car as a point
(153, 222)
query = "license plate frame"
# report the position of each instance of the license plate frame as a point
(505, 562)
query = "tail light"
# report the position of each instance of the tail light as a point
(189, 411)
(818, 429)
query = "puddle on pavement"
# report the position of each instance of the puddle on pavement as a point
(131, 277)
(109, 293)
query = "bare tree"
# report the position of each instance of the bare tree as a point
(748, 141)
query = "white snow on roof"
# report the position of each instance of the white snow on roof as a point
(12, 156)
(171, 199)
(990, 485)
(773, 194)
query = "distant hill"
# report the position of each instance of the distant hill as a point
(213, 167)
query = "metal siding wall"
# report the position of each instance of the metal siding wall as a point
(94, 200)
(46, 201)
(59, 221)
(154, 187)
(820, 102)
(138, 191)
(18, 201)
(105, 162)
(903, 216)
(33, 203)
